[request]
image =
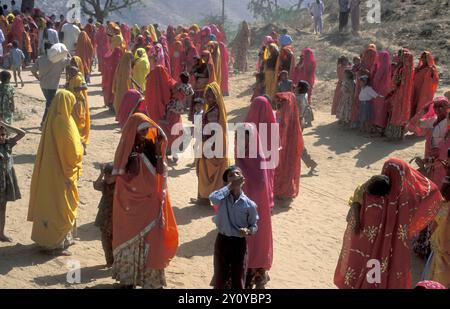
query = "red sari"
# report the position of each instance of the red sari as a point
(400, 98)
(369, 63)
(426, 82)
(382, 84)
(176, 54)
(110, 62)
(17, 31)
(338, 91)
(157, 95)
(90, 30)
(306, 71)
(143, 217)
(388, 223)
(101, 38)
(287, 173)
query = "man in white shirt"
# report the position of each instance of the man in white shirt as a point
(70, 33)
(49, 35)
(317, 9)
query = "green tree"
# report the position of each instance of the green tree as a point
(100, 9)
(270, 10)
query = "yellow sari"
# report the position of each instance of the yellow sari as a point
(214, 49)
(141, 68)
(117, 41)
(210, 171)
(151, 30)
(54, 193)
(81, 113)
(79, 63)
(122, 79)
(440, 244)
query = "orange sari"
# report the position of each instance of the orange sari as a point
(85, 51)
(145, 231)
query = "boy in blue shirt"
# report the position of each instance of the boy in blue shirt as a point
(236, 219)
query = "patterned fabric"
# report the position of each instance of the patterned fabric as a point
(7, 93)
(9, 188)
(129, 267)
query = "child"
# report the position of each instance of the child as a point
(106, 184)
(199, 105)
(356, 64)
(6, 60)
(344, 109)
(179, 93)
(285, 84)
(236, 219)
(259, 88)
(304, 109)
(365, 97)
(17, 58)
(7, 93)
(9, 188)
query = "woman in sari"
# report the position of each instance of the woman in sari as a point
(240, 48)
(54, 192)
(287, 173)
(85, 50)
(388, 211)
(157, 97)
(81, 115)
(399, 100)
(188, 55)
(126, 34)
(111, 61)
(157, 56)
(342, 65)
(205, 37)
(133, 102)
(382, 83)
(214, 49)
(270, 63)
(176, 59)
(306, 70)
(426, 82)
(116, 37)
(17, 31)
(145, 232)
(102, 46)
(141, 68)
(122, 79)
(225, 62)
(368, 67)
(259, 188)
(210, 169)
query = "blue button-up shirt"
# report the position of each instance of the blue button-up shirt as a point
(234, 214)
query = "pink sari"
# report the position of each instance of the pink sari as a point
(382, 83)
(102, 41)
(132, 102)
(111, 61)
(306, 71)
(258, 189)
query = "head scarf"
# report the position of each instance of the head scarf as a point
(286, 40)
(85, 51)
(132, 102)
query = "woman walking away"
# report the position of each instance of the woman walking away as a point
(54, 192)
(9, 188)
(145, 232)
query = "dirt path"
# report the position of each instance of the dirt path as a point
(307, 237)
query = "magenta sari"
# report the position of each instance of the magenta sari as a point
(257, 187)
(382, 83)
(132, 102)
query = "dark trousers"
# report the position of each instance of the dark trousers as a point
(230, 262)
(107, 246)
(343, 20)
(49, 94)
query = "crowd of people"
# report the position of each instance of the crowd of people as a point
(150, 78)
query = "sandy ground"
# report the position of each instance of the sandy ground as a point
(307, 237)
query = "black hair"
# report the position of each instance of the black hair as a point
(349, 74)
(199, 101)
(13, 2)
(5, 76)
(260, 77)
(379, 185)
(62, 16)
(228, 171)
(284, 31)
(108, 168)
(15, 44)
(49, 24)
(90, 20)
(184, 77)
(47, 45)
(303, 86)
(5, 7)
